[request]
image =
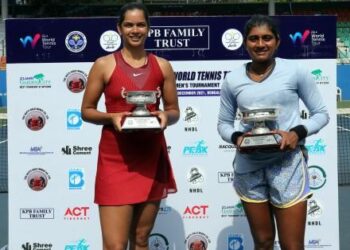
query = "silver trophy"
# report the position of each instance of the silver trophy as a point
(263, 121)
(141, 118)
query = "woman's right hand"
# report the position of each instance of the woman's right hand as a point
(117, 119)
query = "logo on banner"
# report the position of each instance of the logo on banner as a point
(198, 149)
(314, 212)
(77, 213)
(235, 242)
(196, 212)
(196, 179)
(194, 37)
(232, 211)
(36, 150)
(37, 179)
(317, 147)
(232, 39)
(168, 148)
(74, 120)
(316, 243)
(33, 82)
(298, 36)
(76, 80)
(164, 210)
(76, 41)
(76, 150)
(80, 244)
(35, 118)
(32, 41)
(319, 77)
(110, 41)
(191, 118)
(317, 177)
(37, 246)
(197, 240)
(227, 148)
(225, 177)
(316, 38)
(158, 241)
(76, 179)
(37, 213)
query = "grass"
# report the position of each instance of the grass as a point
(343, 104)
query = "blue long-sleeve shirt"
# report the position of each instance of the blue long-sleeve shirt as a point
(282, 89)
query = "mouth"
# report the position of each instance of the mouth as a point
(261, 52)
(135, 38)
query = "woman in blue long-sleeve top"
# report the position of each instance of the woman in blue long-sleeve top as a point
(272, 184)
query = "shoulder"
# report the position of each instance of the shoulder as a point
(104, 66)
(287, 64)
(104, 61)
(236, 73)
(161, 61)
(164, 65)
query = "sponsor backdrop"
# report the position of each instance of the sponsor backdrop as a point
(53, 153)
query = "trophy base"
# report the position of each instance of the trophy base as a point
(266, 141)
(141, 123)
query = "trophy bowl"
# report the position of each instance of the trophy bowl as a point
(262, 120)
(141, 117)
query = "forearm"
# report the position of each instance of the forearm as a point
(173, 116)
(97, 117)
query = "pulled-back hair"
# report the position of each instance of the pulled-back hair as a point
(261, 20)
(133, 6)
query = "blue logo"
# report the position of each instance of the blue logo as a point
(76, 179)
(81, 245)
(74, 120)
(76, 41)
(235, 242)
(30, 40)
(164, 210)
(318, 147)
(198, 148)
(299, 36)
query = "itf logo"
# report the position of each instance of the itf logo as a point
(301, 37)
(31, 40)
(76, 179)
(74, 120)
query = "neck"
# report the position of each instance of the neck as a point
(134, 53)
(261, 68)
(136, 58)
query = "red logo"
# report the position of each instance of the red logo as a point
(77, 213)
(196, 212)
(37, 179)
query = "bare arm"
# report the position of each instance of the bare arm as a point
(97, 79)
(171, 112)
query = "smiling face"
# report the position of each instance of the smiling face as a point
(261, 43)
(134, 28)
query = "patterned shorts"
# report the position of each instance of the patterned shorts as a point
(284, 184)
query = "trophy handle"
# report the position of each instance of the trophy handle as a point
(123, 92)
(159, 92)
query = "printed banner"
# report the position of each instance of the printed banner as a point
(53, 153)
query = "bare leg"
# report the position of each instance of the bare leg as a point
(261, 224)
(115, 225)
(143, 221)
(291, 226)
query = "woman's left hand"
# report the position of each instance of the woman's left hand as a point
(289, 140)
(163, 118)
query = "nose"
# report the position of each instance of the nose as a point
(134, 28)
(260, 42)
